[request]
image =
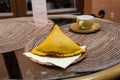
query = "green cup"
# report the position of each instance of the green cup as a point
(85, 22)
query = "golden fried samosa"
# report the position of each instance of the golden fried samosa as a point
(57, 44)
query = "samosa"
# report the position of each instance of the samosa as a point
(57, 44)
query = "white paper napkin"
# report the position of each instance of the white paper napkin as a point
(60, 62)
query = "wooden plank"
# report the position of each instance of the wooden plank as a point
(12, 65)
(15, 34)
(87, 7)
(104, 54)
(31, 70)
(3, 71)
(112, 73)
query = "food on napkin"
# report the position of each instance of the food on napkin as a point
(57, 50)
(57, 44)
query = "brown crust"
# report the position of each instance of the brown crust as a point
(83, 55)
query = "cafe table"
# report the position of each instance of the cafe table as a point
(17, 35)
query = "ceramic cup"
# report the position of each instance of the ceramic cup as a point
(85, 22)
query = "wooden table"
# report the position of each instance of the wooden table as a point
(16, 33)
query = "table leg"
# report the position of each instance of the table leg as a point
(3, 70)
(12, 66)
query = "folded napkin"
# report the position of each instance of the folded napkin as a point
(60, 62)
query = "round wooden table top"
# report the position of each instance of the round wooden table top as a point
(16, 32)
(103, 52)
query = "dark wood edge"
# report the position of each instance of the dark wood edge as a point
(12, 66)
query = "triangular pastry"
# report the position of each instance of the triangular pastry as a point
(57, 44)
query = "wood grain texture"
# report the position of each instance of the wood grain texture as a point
(3, 71)
(103, 52)
(103, 48)
(16, 32)
(32, 70)
(112, 73)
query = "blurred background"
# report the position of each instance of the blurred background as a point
(99, 8)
